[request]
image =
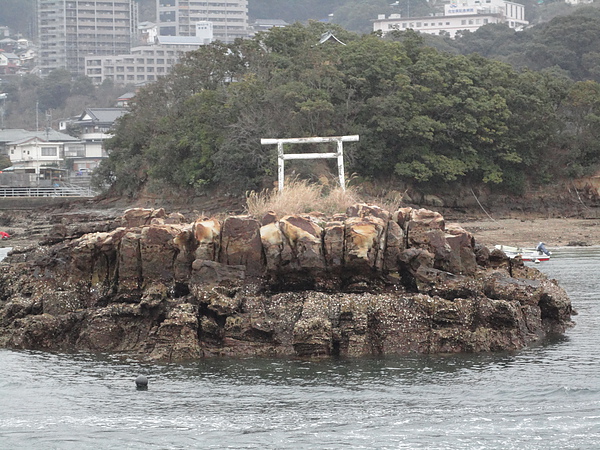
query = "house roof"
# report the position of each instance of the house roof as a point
(9, 55)
(328, 36)
(270, 23)
(101, 115)
(127, 96)
(181, 40)
(27, 139)
(16, 134)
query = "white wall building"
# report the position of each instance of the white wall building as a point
(35, 152)
(144, 64)
(147, 32)
(458, 15)
(205, 32)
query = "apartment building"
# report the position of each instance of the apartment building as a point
(458, 16)
(70, 30)
(143, 64)
(229, 18)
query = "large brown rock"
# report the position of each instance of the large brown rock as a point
(304, 238)
(207, 234)
(368, 282)
(241, 244)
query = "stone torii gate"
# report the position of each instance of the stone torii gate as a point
(281, 158)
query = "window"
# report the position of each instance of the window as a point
(49, 151)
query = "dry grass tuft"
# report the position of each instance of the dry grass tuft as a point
(300, 197)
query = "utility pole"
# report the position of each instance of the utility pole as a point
(48, 123)
(3, 97)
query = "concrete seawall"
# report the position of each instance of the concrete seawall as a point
(16, 203)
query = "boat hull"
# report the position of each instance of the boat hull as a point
(526, 254)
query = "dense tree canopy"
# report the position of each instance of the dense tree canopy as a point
(569, 43)
(424, 117)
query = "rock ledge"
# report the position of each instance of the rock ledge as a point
(368, 282)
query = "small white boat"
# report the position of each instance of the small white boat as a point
(538, 254)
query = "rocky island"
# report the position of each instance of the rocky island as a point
(367, 282)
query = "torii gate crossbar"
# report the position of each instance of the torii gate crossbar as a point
(281, 157)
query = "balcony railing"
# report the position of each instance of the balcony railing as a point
(58, 191)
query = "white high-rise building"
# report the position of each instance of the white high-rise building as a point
(70, 30)
(229, 18)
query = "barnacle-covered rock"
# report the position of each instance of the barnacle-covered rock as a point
(363, 283)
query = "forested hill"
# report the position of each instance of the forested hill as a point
(426, 118)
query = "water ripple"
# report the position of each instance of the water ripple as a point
(547, 396)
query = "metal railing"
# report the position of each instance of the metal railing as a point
(54, 191)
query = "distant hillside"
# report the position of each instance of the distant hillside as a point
(19, 15)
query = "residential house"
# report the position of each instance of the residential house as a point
(16, 134)
(125, 100)
(9, 63)
(93, 127)
(36, 157)
(40, 160)
(35, 152)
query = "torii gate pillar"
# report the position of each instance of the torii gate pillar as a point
(281, 157)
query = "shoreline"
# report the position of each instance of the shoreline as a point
(33, 227)
(528, 232)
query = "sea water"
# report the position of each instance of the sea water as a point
(547, 396)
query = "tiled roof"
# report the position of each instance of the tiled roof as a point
(17, 134)
(103, 115)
